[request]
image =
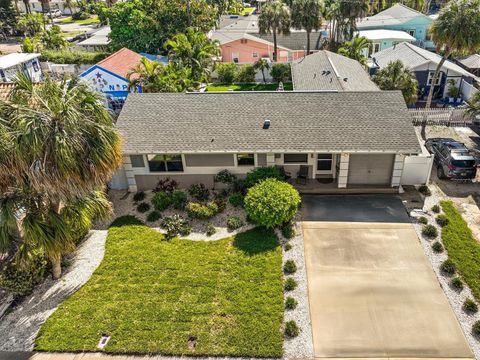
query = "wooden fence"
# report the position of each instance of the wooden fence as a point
(446, 117)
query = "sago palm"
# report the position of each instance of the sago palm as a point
(307, 14)
(356, 49)
(395, 76)
(275, 18)
(262, 65)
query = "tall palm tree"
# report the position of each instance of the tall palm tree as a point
(28, 9)
(356, 49)
(262, 65)
(307, 14)
(195, 50)
(58, 147)
(457, 29)
(275, 19)
(343, 16)
(395, 76)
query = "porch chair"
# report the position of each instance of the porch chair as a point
(302, 175)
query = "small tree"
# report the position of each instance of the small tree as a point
(246, 74)
(281, 72)
(262, 65)
(395, 76)
(272, 202)
(227, 72)
(356, 49)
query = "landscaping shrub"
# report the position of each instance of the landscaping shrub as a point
(291, 329)
(423, 220)
(143, 207)
(154, 216)
(290, 284)
(221, 204)
(178, 199)
(20, 281)
(437, 247)
(436, 208)
(288, 230)
(470, 306)
(290, 303)
(281, 72)
(246, 74)
(80, 15)
(259, 174)
(442, 220)
(226, 72)
(200, 211)
(211, 230)
(199, 192)
(424, 190)
(161, 200)
(456, 283)
(139, 196)
(185, 229)
(225, 177)
(72, 57)
(125, 221)
(288, 247)
(239, 186)
(234, 223)
(476, 328)
(289, 267)
(272, 202)
(448, 267)
(173, 225)
(166, 185)
(430, 231)
(236, 199)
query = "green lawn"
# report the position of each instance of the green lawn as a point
(151, 295)
(68, 20)
(248, 87)
(463, 249)
(247, 11)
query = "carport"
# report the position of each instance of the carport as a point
(372, 292)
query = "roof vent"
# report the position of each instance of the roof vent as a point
(266, 124)
(345, 79)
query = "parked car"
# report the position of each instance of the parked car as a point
(54, 13)
(452, 158)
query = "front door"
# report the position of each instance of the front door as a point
(325, 164)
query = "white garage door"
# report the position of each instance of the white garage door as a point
(370, 169)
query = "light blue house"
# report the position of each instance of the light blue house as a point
(384, 39)
(403, 18)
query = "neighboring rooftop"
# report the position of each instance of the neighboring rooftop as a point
(413, 56)
(238, 23)
(470, 62)
(14, 59)
(299, 121)
(394, 15)
(295, 40)
(98, 38)
(326, 70)
(381, 34)
(121, 62)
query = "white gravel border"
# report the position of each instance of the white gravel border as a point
(222, 233)
(455, 297)
(302, 345)
(19, 328)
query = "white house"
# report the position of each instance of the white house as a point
(28, 63)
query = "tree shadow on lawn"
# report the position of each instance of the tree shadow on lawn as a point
(256, 241)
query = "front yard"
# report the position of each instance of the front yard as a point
(176, 297)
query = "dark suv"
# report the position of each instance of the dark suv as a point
(452, 158)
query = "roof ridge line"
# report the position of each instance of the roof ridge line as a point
(335, 70)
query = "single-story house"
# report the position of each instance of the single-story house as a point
(238, 23)
(36, 6)
(383, 39)
(98, 41)
(325, 70)
(348, 138)
(470, 63)
(403, 18)
(423, 63)
(248, 47)
(109, 76)
(11, 64)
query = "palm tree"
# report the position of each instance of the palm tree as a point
(275, 19)
(307, 14)
(473, 105)
(28, 10)
(395, 76)
(343, 16)
(195, 50)
(262, 65)
(356, 49)
(58, 147)
(457, 29)
(31, 24)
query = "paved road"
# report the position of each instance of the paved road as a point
(373, 293)
(356, 208)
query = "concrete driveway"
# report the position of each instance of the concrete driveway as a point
(373, 293)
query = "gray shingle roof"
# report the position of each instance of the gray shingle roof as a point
(300, 121)
(470, 62)
(296, 40)
(325, 70)
(394, 15)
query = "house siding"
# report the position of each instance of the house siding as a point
(209, 160)
(244, 52)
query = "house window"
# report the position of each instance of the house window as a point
(165, 163)
(295, 158)
(376, 47)
(243, 41)
(137, 161)
(245, 159)
(255, 55)
(411, 32)
(324, 162)
(428, 35)
(430, 78)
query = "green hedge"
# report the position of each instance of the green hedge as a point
(72, 57)
(463, 249)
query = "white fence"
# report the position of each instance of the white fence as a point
(417, 169)
(447, 117)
